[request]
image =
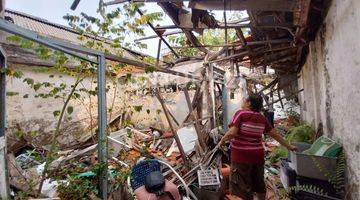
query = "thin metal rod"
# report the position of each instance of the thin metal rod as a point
(160, 36)
(226, 32)
(102, 135)
(290, 95)
(4, 181)
(269, 85)
(224, 97)
(279, 94)
(212, 94)
(74, 4)
(158, 53)
(156, 36)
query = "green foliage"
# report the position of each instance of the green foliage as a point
(24, 195)
(11, 73)
(11, 93)
(76, 189)
(70, 109)
(138, 108)
(302, 133)
(56, 113)
(149, 69)
(306, 188)
(29, 81)
(209, 37)
(280, 152)
(158, 111)
(100, 33)
(336, 177)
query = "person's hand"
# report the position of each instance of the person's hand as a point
(293, 148)
(221, 144)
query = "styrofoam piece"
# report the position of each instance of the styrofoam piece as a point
(208, 177)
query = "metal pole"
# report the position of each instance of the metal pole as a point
(224, 100)
(212, 93)
(4, 182)
(226, 32)
(102, 137)
(158, 53)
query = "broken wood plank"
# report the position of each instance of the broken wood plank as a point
(201, 139)
(167, 115)
(292, 94)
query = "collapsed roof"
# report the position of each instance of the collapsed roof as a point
(280, 30)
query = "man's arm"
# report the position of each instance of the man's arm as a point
(231, 133)
(281, 140)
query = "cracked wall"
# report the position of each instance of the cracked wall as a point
(330, 78)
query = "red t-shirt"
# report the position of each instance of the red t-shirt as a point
(247, 145)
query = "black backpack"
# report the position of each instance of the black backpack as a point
(155, 183)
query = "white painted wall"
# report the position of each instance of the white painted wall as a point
(36, 114)
(234, 104)
(331, 83)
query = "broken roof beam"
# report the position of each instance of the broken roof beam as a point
(173, 11)
(79, 51)
(260, 5)
(285, 26)
(252, 43)
(159, 35)
(139, 1)
(156, 36)
(176, 137)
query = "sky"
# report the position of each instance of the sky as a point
(54, 10)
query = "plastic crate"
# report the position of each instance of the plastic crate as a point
(208, 177)
(304, 195)
(325, 185)
(206, 194)
(308, 165)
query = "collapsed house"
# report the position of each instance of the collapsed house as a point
(289, 37)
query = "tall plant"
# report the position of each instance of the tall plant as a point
(106, 32)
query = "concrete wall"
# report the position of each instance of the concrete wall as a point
(36, 114)
(330, 79)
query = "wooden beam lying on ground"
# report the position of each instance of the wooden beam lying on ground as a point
(202, 142)
(176, 137)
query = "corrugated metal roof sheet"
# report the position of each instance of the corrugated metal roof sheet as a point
(43, 27)
(49, 29)
(46, 28)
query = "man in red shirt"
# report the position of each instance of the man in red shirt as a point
(247, 152)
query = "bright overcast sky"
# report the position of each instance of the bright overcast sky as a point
(54, 10)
